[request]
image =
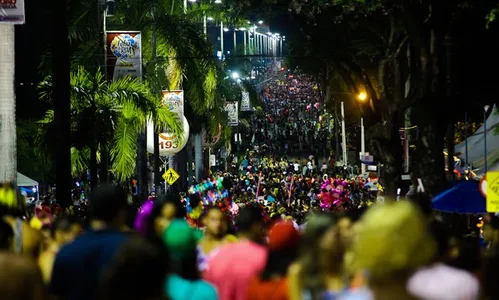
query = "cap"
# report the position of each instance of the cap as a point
(180, 239)
(283, 235)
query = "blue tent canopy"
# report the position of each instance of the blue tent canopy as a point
(463, 198)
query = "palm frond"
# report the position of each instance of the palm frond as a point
(124, 150)
(79, 161)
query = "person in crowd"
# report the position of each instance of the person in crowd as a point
(391, 242)
(20, 278)
(63, 231)
(453, 284)
(232, 279)
(319, 270)
(272, 283)
(184, 282)
(215, 234)
(79, 264)
(27, 241)
(137, 272)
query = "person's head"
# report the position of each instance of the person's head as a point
(215, 222)
(181, 241)
(64, 230)
(391, 242)
(137, 272)
(334, 244)
(283, 242)
(249, 223)
(12, 202)
(108, 204)
(172, 206)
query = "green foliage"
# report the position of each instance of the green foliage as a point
(29, 162)
(111, 113)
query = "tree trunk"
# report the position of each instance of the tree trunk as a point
(156, 162)
(8, 166)
(428, 159)
(93, 164)
(384, 141)
(141, 167)
(62, 110)
(198, 155)
(104, 165)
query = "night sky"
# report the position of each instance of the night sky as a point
(476, 59)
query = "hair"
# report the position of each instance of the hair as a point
(138, 271)
(406, 243)
(248, 216)
(106, 202)
(174, 199)
(441, 234)
(62, 223)
(6, 235)
(317, 225)
(12, 202)
(186, 267)
(278, 263)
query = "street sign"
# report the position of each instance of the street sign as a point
(366, 158)
(171, 176)
(492, 195)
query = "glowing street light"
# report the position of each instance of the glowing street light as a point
(362, 96)
(235, 75)
(260, 22)
(210, 18)
(218, 1)
(226, 29)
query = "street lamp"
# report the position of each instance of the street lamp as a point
(218, 1)
(235, 75)
(362, 97)
(260, 22)
(485, 110)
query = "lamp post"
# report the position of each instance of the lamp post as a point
(343, 135)
(362, 97)
(485, 110)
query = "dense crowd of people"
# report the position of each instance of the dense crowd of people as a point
(221, 242)
(293, 121)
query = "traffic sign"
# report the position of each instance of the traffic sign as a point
(171, 176)
(492, 196)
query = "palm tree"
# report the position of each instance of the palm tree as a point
(106, 118)
(8, 168)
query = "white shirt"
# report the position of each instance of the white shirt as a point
(297, 167)
(442, 282)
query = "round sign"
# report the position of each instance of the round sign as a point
(211, 140)
(168, 142)
(482, 187)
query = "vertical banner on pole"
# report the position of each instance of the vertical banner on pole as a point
(123, 54)
(231, 107)
(245, 101)
(12, 11)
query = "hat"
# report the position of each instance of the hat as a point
(180, 239)
(283, 235)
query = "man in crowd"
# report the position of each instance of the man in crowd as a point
(78, 265)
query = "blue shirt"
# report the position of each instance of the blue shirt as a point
(178, 288)
(78, 265)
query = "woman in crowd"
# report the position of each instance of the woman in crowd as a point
(391, 242)
(272, 284)
(63, 231)
(184, 282)
(27, 241)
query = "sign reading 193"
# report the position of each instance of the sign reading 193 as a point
(168, 145)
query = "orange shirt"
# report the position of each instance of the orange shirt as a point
(268, 290)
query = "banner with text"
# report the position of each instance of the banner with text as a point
(174, 100)
(12, 11)
(123, 54)
(232, 113)
(245, 101)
